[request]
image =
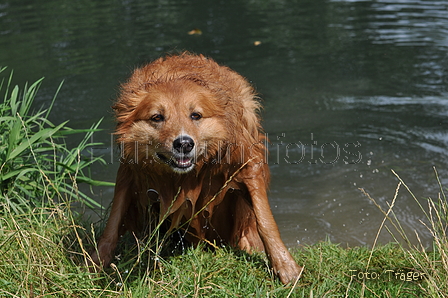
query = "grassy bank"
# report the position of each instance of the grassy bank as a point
(44, 242)
(42, 256)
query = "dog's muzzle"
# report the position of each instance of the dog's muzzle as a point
(181, 159)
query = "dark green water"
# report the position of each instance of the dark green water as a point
(351, 89)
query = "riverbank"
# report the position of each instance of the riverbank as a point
(43, 250)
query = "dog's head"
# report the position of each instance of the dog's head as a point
(176, 124)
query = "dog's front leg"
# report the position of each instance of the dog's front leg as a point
(281, 260)
(120, 205)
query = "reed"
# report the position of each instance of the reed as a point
(432, 263)
(35, 164)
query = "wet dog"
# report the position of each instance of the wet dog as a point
(193, 156)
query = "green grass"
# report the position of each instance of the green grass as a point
(41, 256)
(328, 270)
(44, 243)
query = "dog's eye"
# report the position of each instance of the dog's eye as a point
(195, 116)
(157, 118)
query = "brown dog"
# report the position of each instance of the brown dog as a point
(193, 155)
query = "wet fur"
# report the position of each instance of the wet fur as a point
(224, 178)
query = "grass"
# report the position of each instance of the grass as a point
(44, 243)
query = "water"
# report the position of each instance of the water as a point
(351, 89)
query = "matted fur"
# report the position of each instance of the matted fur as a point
(194, 155)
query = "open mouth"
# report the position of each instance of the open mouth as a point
(180, 163)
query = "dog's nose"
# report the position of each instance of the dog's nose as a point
(183, 144)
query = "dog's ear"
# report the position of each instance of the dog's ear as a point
(130, 95)
(122, 109)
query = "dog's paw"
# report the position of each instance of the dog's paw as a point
(288, 272)
(99, 259)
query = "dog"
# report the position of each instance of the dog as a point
(193, 157)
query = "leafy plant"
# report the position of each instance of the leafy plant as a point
(35, 163)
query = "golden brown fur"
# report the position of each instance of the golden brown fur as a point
(193, 151)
